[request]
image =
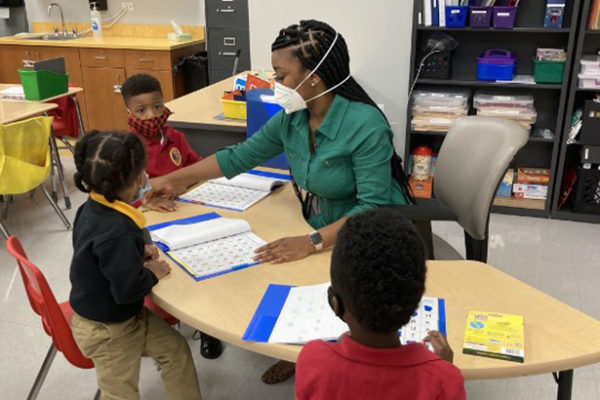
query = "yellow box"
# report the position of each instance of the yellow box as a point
(234, 109)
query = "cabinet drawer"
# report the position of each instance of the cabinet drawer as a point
(101, 58)
(144, 59)
(222, 46)
(227, 14)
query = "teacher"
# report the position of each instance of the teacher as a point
(336, 140)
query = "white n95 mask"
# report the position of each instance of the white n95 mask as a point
(290, 99)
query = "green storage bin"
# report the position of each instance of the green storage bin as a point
(548, 71)
(40, 85)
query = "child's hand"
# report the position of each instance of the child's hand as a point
(161, 204)
(159, 268)
(440, 345)
(150, 252)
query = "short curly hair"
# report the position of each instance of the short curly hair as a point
(378, 269)
(108, 162)
(139, 84)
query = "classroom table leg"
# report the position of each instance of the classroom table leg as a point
(59, 168)
(565, 384)
(4, 231)
(79, 117)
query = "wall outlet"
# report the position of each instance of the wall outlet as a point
(127, 5)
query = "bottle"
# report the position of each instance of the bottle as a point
(421, 163)
(96, 21)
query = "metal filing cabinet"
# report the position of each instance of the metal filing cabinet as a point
(227, 32)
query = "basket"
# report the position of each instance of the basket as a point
(548, 71)
(437, 65)
(587, 197)
(42, 84)
(234, 109)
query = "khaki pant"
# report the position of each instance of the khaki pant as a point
(117, 348)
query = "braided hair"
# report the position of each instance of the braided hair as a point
(378, 269)
(108, 162)
(309, 42)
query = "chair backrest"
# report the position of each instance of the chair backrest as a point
(24, 154)
(44, 304)
(472, 160)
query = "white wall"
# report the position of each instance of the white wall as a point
(378, 34)
(184, 12)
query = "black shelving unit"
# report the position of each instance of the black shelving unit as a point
(550, 99)
(588, 42)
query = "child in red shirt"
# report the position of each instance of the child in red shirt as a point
(377, 280)
(166, 151)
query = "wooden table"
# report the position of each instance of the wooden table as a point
(44, 106)
(194, 113)
(558, 337)
(15, 110)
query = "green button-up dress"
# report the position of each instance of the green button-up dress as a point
(349, 171)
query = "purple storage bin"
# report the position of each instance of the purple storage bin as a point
(480, 17)
(504, 17)
(496, 65)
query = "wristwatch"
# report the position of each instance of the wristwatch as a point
(316, 240)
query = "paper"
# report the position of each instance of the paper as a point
(495, 335)
(238, 193)
(180, 236)
(13, 92)
(220, 255)
(4, 13)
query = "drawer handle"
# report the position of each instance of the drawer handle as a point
(146, 60)
(227, 53)
(101, 58)
(228, 41)
(226, 10)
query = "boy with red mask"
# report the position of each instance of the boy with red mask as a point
(166, 147)
(166, 150)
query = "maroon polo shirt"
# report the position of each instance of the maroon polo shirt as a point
(349, 370)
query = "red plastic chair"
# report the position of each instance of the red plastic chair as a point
(55, 317)
(152, 306)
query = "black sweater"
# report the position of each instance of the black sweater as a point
(107, 275)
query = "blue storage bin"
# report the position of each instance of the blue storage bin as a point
(456, 16)
(257, 114)
(496, 65)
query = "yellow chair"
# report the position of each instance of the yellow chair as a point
(25, 160)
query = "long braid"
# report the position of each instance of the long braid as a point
(309, 42)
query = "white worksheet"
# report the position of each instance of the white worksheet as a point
(238, 193)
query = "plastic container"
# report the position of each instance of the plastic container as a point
(496, 65)
(421, 163)
(449, 98)
(96, 19)
(548, 71)
(590, 64)
(42, 84)
(480, 17)
(456, 16)
(482, 99)
(437, 65)
(587, 197)
(234, 109)
(504, 17)
(589, 81)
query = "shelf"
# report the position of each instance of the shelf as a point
(520, 203)
(570, 215)
(470, 82)
(434, 133)
(540, 139)
(494, 30)
(588, 90)
(593, 32)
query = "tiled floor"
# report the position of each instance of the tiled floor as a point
(560, 258)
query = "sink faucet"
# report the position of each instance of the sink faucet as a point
(62, 17)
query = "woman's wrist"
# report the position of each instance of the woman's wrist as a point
(316, 241)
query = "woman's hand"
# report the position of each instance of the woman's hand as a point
(285, 249)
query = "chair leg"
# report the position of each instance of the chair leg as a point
(39, 380)
(476, 250)
(7, 200)
(97, 395)
(61, 175)
(4, 231)
(79, 117)
(68, 145)
(424, 230)
(62, 216)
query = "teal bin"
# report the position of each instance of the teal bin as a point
(548, 71)
(40, 85)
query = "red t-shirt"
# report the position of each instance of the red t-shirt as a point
(174, 153)
(349, 370)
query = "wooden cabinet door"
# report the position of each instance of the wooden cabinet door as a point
(105, 107)
(11, 59)
(164, 77)
(72, 66)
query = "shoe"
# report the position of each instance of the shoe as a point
(210, 348)
(279, 372)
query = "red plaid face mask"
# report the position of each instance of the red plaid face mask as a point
(148, 127)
